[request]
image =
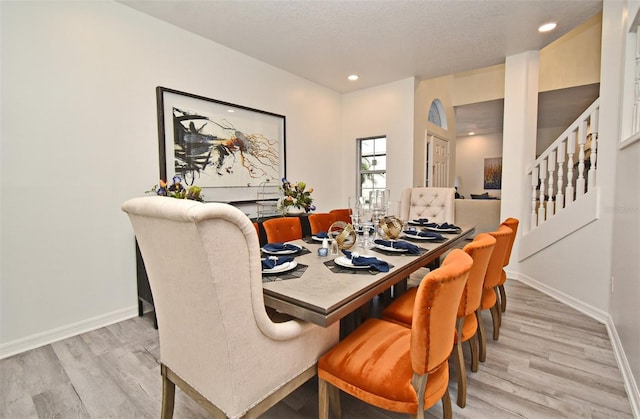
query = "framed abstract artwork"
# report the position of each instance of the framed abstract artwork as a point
(493, 173)
(228, 150)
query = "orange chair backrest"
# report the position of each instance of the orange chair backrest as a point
(284, 229)
(494, 270)
(434, 312)
(480, 250)
(321, 222)
(512, 223)
(342, 214)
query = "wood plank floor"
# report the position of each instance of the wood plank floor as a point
(550, 361)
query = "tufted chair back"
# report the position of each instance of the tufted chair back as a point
(282, 229)
(436, 204)
(216, 340)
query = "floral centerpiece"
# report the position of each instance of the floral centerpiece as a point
(176, 190)
(297, 197)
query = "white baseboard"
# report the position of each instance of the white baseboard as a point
(44, 338)
(603, 317)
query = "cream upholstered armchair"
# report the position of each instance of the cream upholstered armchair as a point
(216, 340)
(436, 204)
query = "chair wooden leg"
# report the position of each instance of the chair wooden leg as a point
(447, 411)
(495, 316)
(503, 298)
(473, 344)
(482, 338)
(168, 394)
(461, 374)
(328, 398)
(498, 305)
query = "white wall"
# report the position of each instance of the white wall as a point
(471, 150)
(79, 137)
(625, 274)
(382, 110)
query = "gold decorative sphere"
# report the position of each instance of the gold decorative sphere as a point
(390, 227)
(343, 233)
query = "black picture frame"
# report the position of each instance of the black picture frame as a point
(230, 151)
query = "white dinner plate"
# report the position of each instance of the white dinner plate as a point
(285, 267)
(346, 262)
(283, 252)
(390, 249)
(443, 230)
(412, 236)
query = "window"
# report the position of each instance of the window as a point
(372, 167)
(437, 115)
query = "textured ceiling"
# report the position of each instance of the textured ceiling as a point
(382, 41)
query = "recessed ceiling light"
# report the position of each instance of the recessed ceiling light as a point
(547, 27)
(472, 133)
(353, 77)
(230, 110)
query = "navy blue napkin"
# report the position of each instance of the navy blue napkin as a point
(400, 244)
(372, 262)
(422, 221)
(424, 233)
(448, 226)
(270, 263)
(279, 247)
(321, 235)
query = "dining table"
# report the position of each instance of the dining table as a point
(321, 291)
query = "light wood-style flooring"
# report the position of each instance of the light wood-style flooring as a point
(551, 361)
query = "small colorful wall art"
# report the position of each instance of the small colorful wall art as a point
(493, 173)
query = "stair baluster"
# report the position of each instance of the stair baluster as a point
(543, 177)
(552, 168)
(560, 196)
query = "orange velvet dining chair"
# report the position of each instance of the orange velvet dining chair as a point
(490, 294)
(321, 222)
(283, 229)
(342, 214)
(396, 368)
(512, 223)
(401, 310)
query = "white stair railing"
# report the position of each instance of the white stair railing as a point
(550, 191)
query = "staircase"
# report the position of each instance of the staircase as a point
(561, 204)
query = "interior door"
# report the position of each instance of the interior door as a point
(437, 162)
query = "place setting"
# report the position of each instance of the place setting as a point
(276, 268)
(279, 249)
(444, 228)
(420, 222)
(354, 263)
(423, 235)
(397, 247)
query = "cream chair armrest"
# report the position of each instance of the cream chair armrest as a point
(283, 331)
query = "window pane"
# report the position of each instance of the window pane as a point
(366, 147)
(380, 180)
(366, 163)
(381, 145)
(381, 163)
